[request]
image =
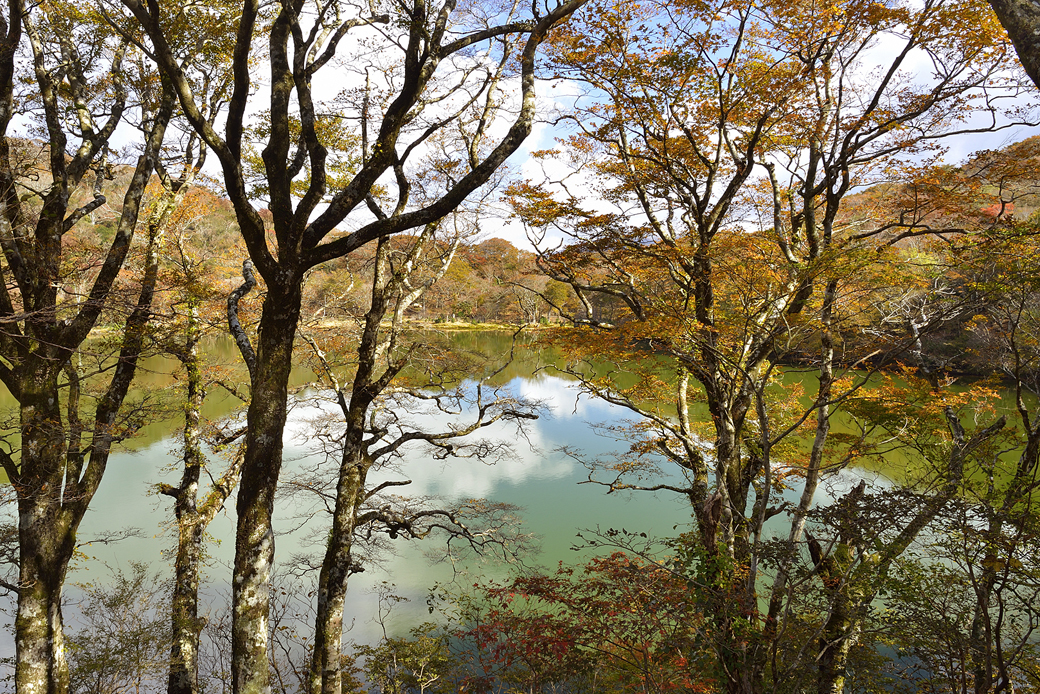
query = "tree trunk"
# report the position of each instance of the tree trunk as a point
(193, 517)
(734, 635)
(326, 671)
(45, 540)
(184, 603)
(42, 667)
(981, 637)
(1021, 20)
(839, 636)
(184, 608)
(326, 675)
(254, 541)
(54, 491)
(40, 644)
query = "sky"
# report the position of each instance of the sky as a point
(917, 69)
(554, 96)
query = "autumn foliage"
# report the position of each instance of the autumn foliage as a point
(741, 191)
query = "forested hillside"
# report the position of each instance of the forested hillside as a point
(489, 280)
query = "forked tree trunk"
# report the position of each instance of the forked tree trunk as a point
(56, 474)
(54, 490)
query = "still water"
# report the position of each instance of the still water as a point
(535, 475)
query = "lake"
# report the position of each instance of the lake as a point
(535, 476)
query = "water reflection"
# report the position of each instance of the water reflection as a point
(533, 476)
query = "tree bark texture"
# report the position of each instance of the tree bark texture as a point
(184, 608)
(326, 663)
(45, 543)
(184, 602)
(254, 539)
(1021, 20)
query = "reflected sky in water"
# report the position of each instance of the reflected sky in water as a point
(533, 475)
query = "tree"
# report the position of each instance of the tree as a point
(193, 514)
(868, 533)
(399, 665)
(618, 623)
(84, 82)
(84, 65)
(173, 211)
(424, 80)
(374, 403)
(124, 638)
(724, 141)
(990, 534)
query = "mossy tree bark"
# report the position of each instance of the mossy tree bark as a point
(1021, 20)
